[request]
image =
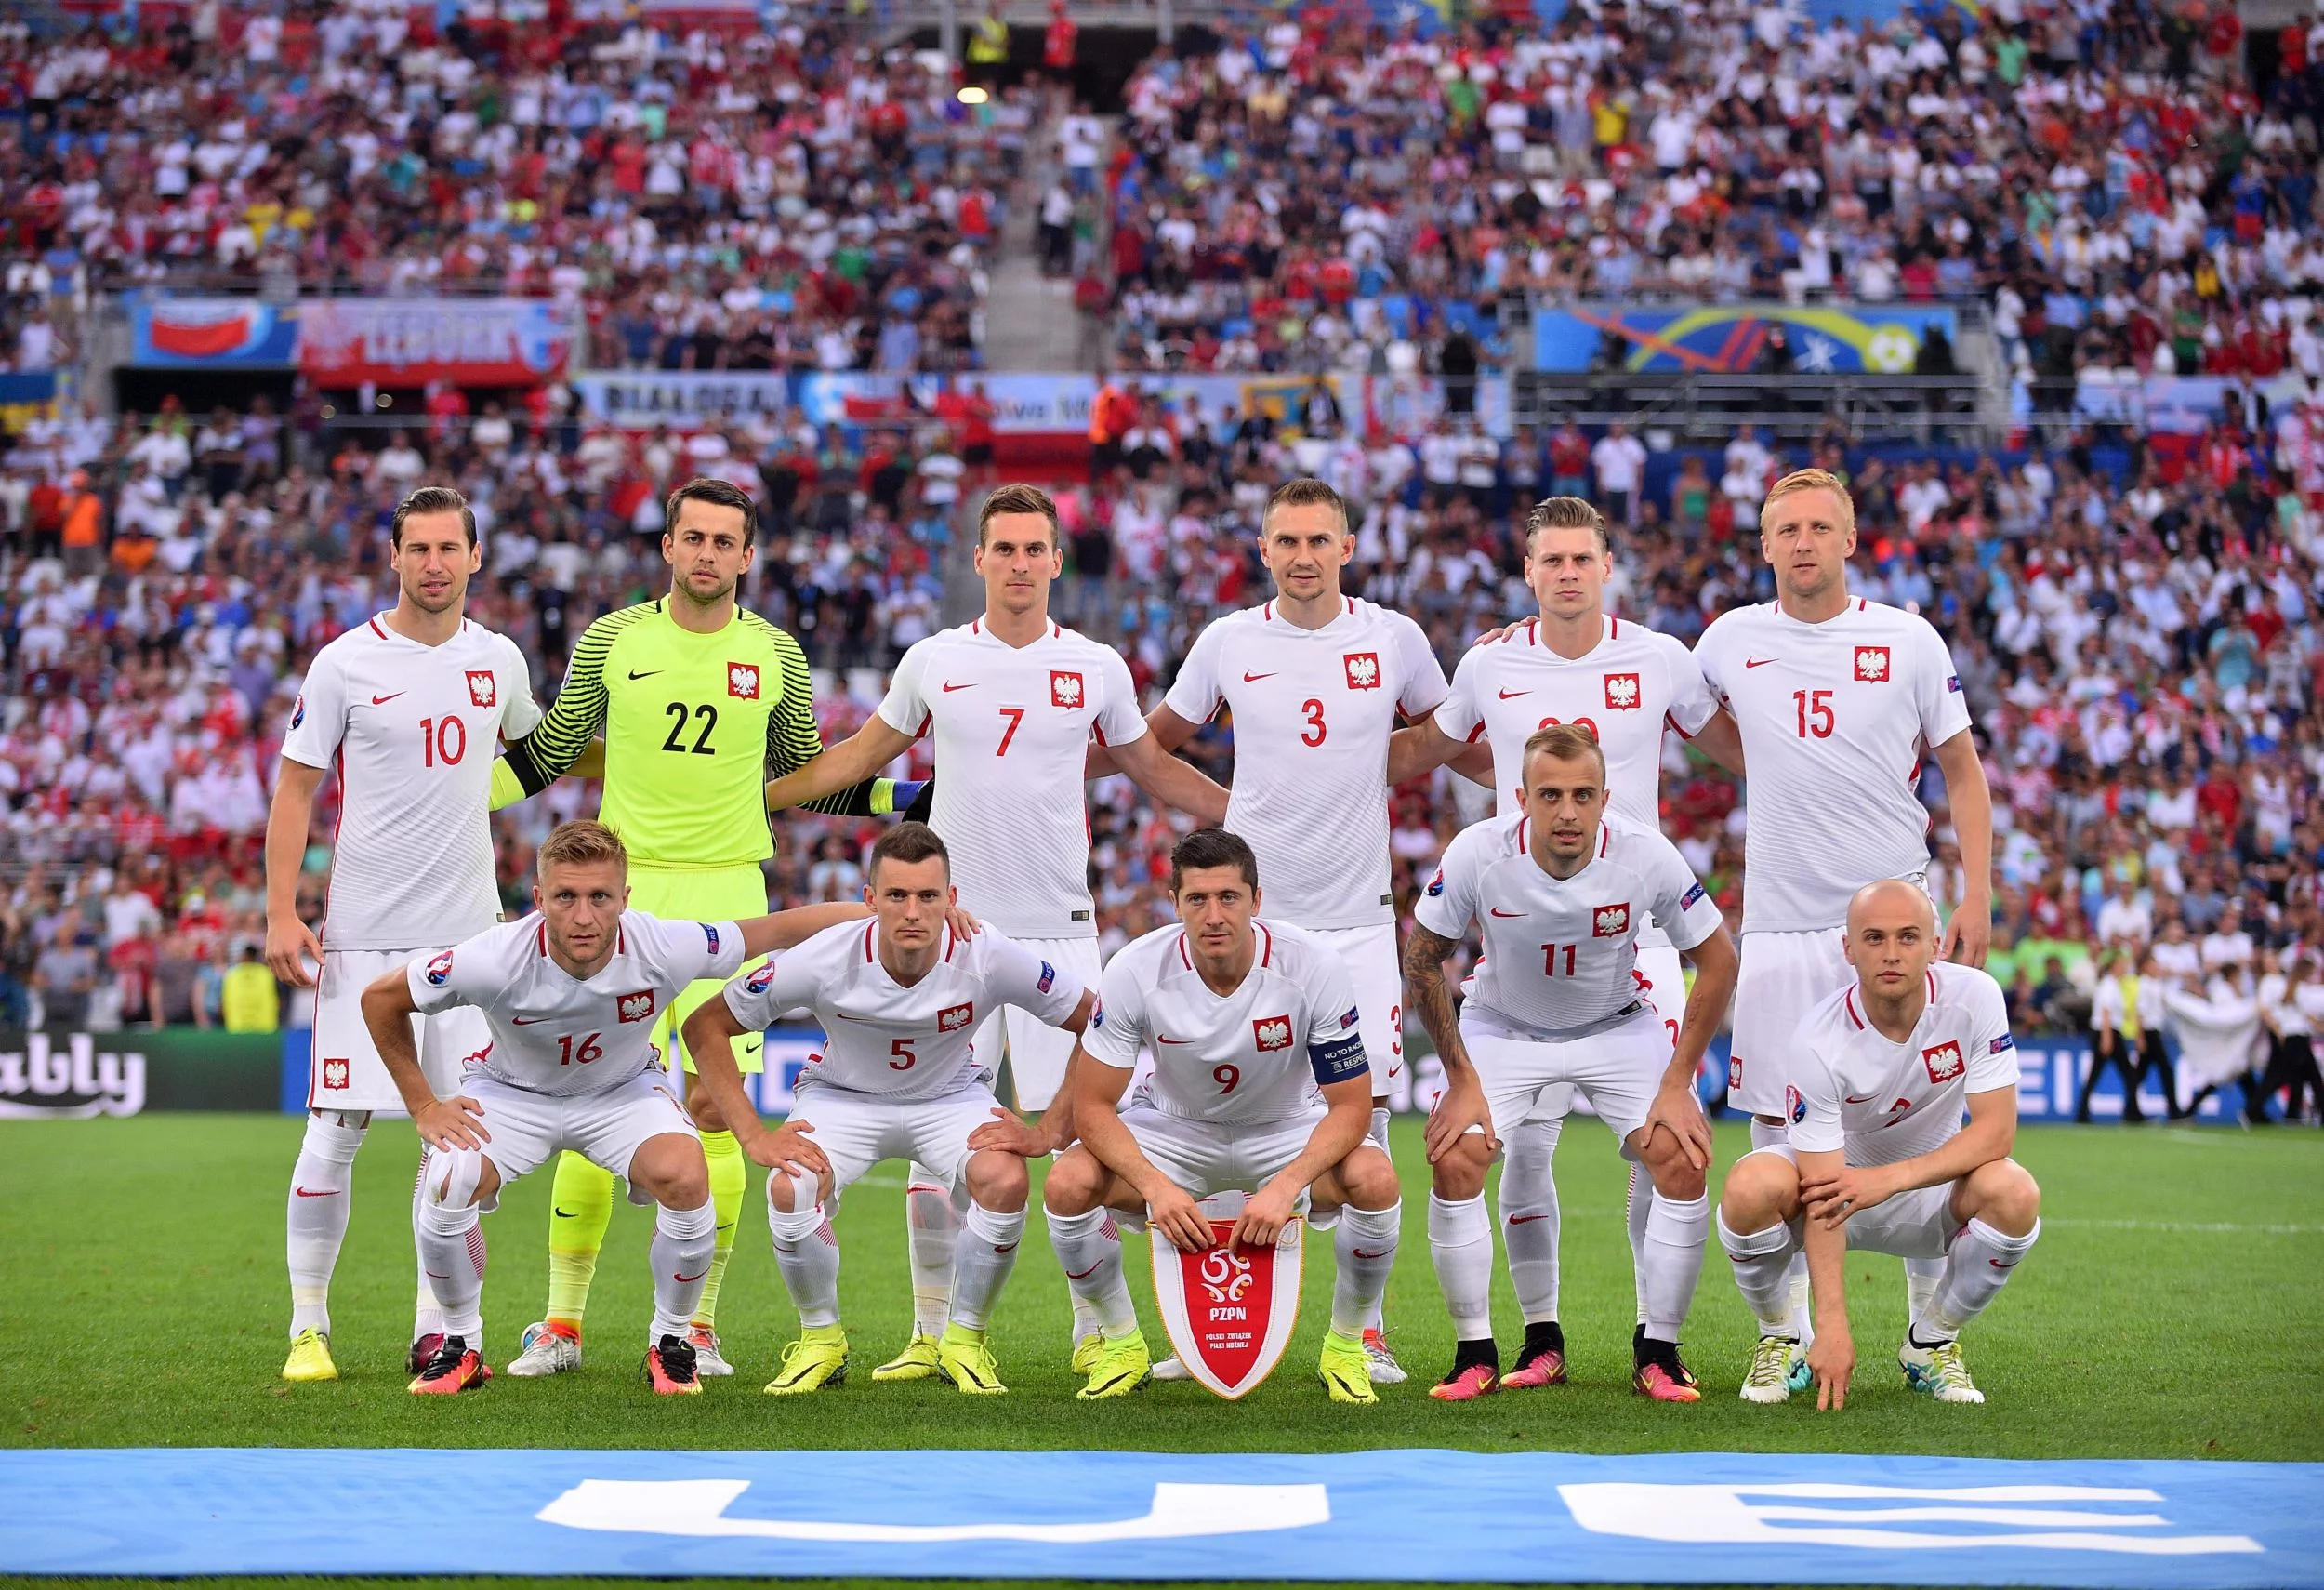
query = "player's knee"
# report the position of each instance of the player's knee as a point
(1074, 1184)
(2006, 1197)
(1761, 1190)
(999, 1181)
(789, 1193)
(457, 1178)
(1369, 1178)
(1460, 1175)
(1675, 1175)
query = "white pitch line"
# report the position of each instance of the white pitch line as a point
(2227, 1228)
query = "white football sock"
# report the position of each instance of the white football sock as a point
(1529, 1216)
(427, 1318)
(1461, 1242)
(1637, 1209)
(1978, 1266)
(931, 1223)
(807, 1252)
(683, 1240)
(1673, 1263)
(452, 1253)
(1922, 1276)
(985, 1255)
(1377, 1138)
(1760, 1260)
(1089, 1248)
(1366, 1245)
(321, 1181)
(1769, 1134)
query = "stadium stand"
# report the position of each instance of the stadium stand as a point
(2133, 606)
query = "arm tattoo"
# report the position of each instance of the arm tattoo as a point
(1426, 992)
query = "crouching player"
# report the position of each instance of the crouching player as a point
(1259, 1085)
(1559, 896)
(1879, 1158)
(569, 1000)
(900, 998)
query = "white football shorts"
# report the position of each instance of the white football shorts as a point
(1038, 1051)
(1662, 976)
(1618, 1070)
(1205, 1157)
(347, 1072)
(1377, 971)
(607, 1128)
(856, 1131)
(1916, 1225)
(1784, 975)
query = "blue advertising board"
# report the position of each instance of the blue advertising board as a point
(1729, 338)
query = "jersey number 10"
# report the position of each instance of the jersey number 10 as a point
(442, 740)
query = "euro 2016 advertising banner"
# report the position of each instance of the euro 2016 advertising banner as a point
(1730, 339)
(408, 342)
(217, 333)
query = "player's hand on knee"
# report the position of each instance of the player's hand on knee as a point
(447, 1123)
(1008, 1132)
(1831, 1358)
(1830, 1200)
(789, 1149)
(1176, 1216)
(1462, 1106)
(1264, 1218)
(1678, 1112)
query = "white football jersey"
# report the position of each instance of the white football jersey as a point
(881, 1037)
(1624, 690)
(1884, 1101)
(1835, 719)
(1257, 1054)
(1561, 955)
(552, 1033)
(413, 730)
(1312, 712)
(1011, 728)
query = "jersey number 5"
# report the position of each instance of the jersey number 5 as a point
(678, 713)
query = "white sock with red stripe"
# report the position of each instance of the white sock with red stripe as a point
(983, 1258)
(932, 1224)
(321, 1183)
(1089, 1248)
(1979, 1264)
(1761, 1259)
(1638, 1209)
(683, 1241)
(1673, 1263)
(1365, 1246)
(1461, 1240)
(451, 1254)
(807, 1252)
(1529, 1217)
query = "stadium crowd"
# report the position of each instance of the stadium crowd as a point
(777, 200)
(2104, 178)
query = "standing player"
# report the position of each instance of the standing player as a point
(1878, 1157)
(569, 1002)
(699, 700)
(1558, 897)
(408, 707)
(898, 999)
(1837, 700)
(1624, 682)
(1259, 1083)
(1316, 680)
(1011, 703)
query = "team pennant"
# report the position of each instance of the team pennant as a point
(1230, 1310)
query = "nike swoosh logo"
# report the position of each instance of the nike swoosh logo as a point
(1011, 1248)
(326, 1192)
(1522, 1219)
(695, 1276)
(1513, 695)
(1759, 662)
(1158, 1039)
(1360, 1254)
(844, 1016)
(1255, 678)
(649, 673)
(1498, 912)
(949, 687)
(527, 1020)
(1086, 1274)
(564, 1213)
(382, 700)
(1866, 1099)
(438, 1275)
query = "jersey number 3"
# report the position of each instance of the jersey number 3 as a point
(679, 713)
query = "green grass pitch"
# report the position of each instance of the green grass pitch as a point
(143, 1302)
